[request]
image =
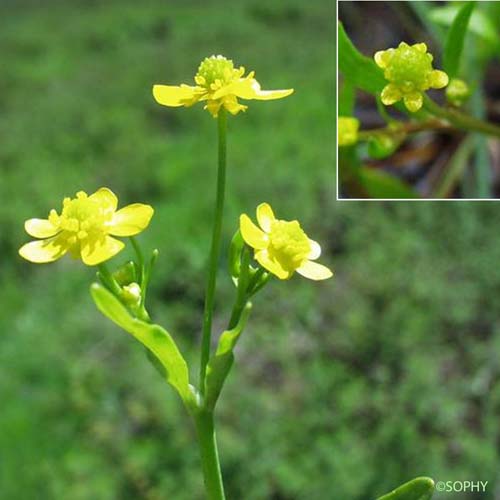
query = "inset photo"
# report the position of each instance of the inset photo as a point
(418, 100)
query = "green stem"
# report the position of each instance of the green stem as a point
(461, 120)
(214, 250)
(204, 422)
(109, 279)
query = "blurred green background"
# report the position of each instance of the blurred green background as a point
(342, 389)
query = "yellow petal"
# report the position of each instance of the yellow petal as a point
(314, 271)
(40, 228)
(382, 57)
(414, 101)
(249, 88)
(130, 220)
(438, 79)
(390, 94)
(315, 250)
(262, 257)
(232, 105)
(252, 235)
(173, 95)
(106, 199)
(43, 251)
(97, 251)
(265, 216)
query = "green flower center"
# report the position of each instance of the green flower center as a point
(409, 68)
(215, 68)
(81, 217)
(288, 244)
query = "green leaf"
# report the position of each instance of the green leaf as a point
(156, 339)
(420, 488)
(454, 43)
(479, 24)
(346, 99)
(356, 68)
(220, 363)
(379, 184)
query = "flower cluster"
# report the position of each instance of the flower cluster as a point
(409, 72)
(281, 246)
(218, 84)
(85, 229)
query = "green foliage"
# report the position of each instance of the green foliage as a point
(220, 363)
(155, 338)
(421, 488)
(379, 184)
(454, 43)
(358, 69)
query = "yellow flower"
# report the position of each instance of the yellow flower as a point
(281, 246)
(84, 227)
(347, 130)
(219, 84)
(410, 73)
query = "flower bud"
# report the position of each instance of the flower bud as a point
(457, 92)
(347, 130)
(131, 294)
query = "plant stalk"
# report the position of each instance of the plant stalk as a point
(214, 250)
(461, 120)
(204, 422)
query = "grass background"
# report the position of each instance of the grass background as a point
(342, 389)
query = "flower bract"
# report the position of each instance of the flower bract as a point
(410, 73)
(218, 84)
(282, 247)
(85, 228)
(347, 130)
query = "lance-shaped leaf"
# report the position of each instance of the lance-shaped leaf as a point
(454, 44)
(421, 488)
(220, 363)
(356, 68)
(155, 338)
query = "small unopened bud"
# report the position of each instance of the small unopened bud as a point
(457, 92)
(131, 294)
(347, 130)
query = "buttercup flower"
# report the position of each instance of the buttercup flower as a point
(347, 130)
(410, 73)
(219, 84)
(85, 228)
(281, 246)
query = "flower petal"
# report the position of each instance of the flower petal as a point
(130, 220)
(314, 271)
(40, 228)
(413, 101)
(231, 103)
(265, 216)
(106, 199)
(438, 79)
(390, 94)
(174, 95)
(383, 57)
(315, 250)
(262, 257)
(249, 88)
(43, 251)
(97, 251)
(252, 235)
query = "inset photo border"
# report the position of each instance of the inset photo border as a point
(418, 100)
